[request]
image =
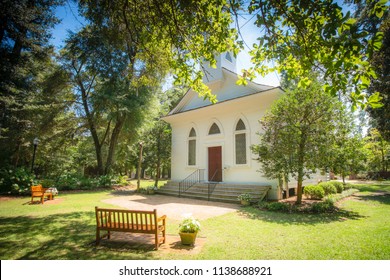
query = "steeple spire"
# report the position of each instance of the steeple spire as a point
(224, 60)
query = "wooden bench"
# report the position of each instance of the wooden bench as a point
(39, 191)
(133, 221)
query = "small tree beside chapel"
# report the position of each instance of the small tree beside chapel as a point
(297, 134)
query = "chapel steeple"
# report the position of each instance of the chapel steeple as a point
(224, 60)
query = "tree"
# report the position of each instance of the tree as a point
(348, 155)
(113, 91)
(297, 133)
(25, 59)
(381, 62)
(299, 36)
(378, 151)
(186, 32)
(296, 36)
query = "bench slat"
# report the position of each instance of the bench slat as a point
(130, 221)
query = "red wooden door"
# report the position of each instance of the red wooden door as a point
(215, 164)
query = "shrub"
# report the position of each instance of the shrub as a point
(314, 192)
(48, 183)
(16, 180)
(328, 188)
(278, 206)
(338, 185)
(322, 207)
(122, 180)
(105, 181)
(245, 197)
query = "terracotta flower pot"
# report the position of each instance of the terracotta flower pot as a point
(188, 238)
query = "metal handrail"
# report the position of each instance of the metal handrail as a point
(195, 177)
(211, 183)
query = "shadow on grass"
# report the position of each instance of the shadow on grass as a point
(299, 218)
(381, 197)
(64, 236)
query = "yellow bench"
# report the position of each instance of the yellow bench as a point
(39, 191)
(130, 221)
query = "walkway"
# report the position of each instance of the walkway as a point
(173, 207)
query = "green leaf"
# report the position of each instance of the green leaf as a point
(375, 100)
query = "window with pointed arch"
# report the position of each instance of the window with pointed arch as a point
(192, 148)
(240, 143)
(214, 129)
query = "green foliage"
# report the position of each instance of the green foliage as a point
(338, 185)
(189, 224)
(105, 181)
(47, 183)
(122, 180)
(322, 207)
(15, 180)
(26, 61)
(377, 149)
(278, 206)
(314, 192)
(245, 197)
(297, 133)
(317, 34)
(348, 154)
(381, 63)
(69, 181)
(182, 33)
(328, 188)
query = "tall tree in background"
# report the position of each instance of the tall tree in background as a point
(25, 57)
(113, 90)
(189, 31)
(381, 62)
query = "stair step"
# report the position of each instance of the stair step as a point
(222, 192)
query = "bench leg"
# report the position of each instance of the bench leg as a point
(97, 236)
(156, 240)
(42, 199)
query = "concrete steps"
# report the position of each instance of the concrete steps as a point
(223, 192)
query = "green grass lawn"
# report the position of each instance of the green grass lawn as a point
(66, 230)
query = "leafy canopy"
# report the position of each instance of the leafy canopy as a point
(297, 37)
(297, 132)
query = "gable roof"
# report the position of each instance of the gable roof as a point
(225, 89)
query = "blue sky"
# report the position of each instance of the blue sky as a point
(68, 14)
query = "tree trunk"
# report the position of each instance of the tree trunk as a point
(92, 127)
(285, 179)
(158, 164)
(113, 142)
(139, 168)
(301, 161)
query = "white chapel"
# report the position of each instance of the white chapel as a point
(211, 142)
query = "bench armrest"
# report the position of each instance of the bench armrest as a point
(162, 218)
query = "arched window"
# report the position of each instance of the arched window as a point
(192, 147)
(228, 57)
(214, 129)
(240, 143)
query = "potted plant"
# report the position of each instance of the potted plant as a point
(188, 230)
(245, 198)
(151, 190)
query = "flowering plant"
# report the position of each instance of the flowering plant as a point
(189, 224)
(245, 197)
